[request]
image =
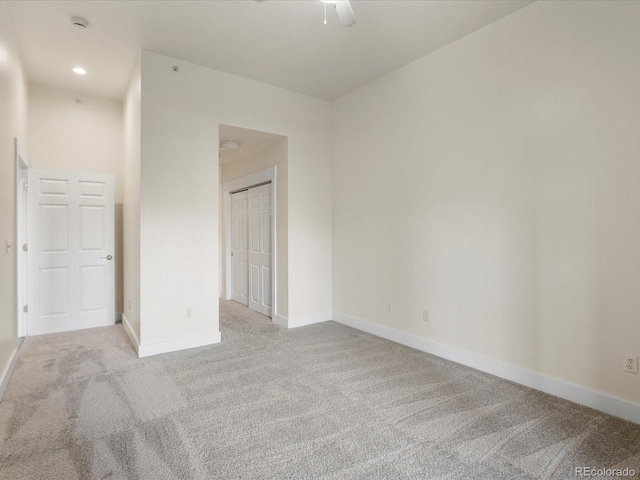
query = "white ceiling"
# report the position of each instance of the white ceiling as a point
(250, 142)
(282, 43)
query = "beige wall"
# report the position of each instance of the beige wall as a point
(13, 123)
(181, 112)
(273, 155)
(495, 182)
(66, 135)
(131, 204)
(83, 137)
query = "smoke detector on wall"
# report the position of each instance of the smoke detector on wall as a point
(229, 146)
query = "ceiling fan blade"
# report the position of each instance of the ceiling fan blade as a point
(345, 13)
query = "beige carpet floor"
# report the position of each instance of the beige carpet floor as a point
(323, 401)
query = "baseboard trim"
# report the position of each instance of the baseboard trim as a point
(302, 320)
(168, 346)
(185, 343)
(132, 335)
(6, 375)
(280, 321)
(590, 398)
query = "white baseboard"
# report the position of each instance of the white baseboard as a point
(600, 401)
(185, 343)
(302, 320)
(6, 375)
(280, 321)
(132, 335)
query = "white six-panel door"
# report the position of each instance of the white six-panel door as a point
(240, 247)
(70, 251)
(260, 249)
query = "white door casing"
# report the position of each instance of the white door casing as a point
(260, 249)
(240, 247)
(70, 251)
(22, 254)
(22, 179)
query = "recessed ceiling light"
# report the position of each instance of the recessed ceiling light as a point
(79, 71)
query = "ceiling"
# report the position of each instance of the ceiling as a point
(250, 142)
(282, 43)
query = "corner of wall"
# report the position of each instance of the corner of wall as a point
(131, 206)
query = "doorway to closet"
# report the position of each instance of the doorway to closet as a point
(253, 218)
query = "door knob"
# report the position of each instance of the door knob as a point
(108, 257)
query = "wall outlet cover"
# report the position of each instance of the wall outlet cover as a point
(631, 364)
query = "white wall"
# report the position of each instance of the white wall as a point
(83, 137)
(131, 204)
(273, 155)
(66, 135)
(495, 182)
(13, 123)
(181, 112)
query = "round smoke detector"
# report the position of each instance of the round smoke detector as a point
(79, 22)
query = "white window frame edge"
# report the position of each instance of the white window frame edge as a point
(242, 183)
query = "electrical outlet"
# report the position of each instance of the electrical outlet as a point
(188, 313)
(129, 304)
(631, 365)
(425, 315)
(389, 307)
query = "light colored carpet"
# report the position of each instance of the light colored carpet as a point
(323, 401)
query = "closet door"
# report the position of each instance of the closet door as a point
(240, 247)
(260, 249)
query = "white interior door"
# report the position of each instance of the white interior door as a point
(240, 247)
(70, 245)
(260, 249)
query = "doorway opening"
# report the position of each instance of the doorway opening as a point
(251, 194)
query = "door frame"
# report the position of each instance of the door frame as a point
(20, 202)
(261, 177)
